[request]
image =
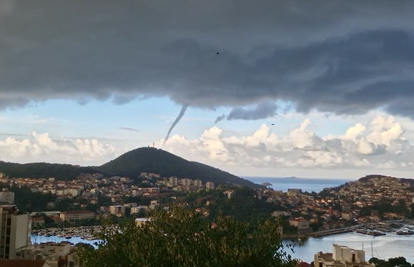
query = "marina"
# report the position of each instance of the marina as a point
(83, 232)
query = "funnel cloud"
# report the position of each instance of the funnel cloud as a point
(180, 115)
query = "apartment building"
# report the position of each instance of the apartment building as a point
(77, 215)
(210, 185)
(198, 183)
(342, 256)
(6, 196)
(14, 231)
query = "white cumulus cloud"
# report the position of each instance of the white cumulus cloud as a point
(375, 146)
(40, 147)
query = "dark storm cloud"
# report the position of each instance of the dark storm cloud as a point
(260, 111)
(343, 57)
(220, 118)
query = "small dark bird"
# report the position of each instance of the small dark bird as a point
(217, 53)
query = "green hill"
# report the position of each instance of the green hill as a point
(154, 160)
(43, 170)
(130, 164)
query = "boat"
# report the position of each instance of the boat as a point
(404, 232)
(370, 232)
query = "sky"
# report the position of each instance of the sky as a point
(317, 89)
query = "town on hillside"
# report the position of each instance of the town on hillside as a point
(369, 201)
(373, 205)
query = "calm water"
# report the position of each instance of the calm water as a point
(307, 184)
(73, 240)
(387, 246)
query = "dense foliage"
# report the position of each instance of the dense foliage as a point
(154, 160)
(243, 205)
(43, 170)
(29, 201)
(393, 262)
(183, 238)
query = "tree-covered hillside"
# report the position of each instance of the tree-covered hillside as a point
(154, 160)
(43, 170)
(130, 164)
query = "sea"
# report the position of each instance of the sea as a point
(306, 184)
(383, 247)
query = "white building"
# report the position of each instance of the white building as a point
(342, 256)
(173, 180)
(209, 185)
(77, 215)
(72, 191)
(292, 192)
(302, 225)
(198, 183)
(14, 231)
(135, 210)
(6, 196)
(55, 254)
(141, 221)
(186, 182)
(117, 210)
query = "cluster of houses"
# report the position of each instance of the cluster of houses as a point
(332, 208)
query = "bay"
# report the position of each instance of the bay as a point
(306, 184)
(383, 247)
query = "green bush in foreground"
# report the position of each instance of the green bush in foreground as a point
(183, 238)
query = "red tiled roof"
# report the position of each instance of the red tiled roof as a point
(22, 263)
(78, 212)
(303, 264)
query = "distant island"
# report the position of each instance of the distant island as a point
(266, 184)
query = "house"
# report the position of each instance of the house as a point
(279, 213)
(294, 192)
(55, 254)
(302, 225)
(117, 210)
(141, 221)
(229, 193)
(38, 221)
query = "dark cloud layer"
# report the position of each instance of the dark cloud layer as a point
(343, 57)
(260, 111)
